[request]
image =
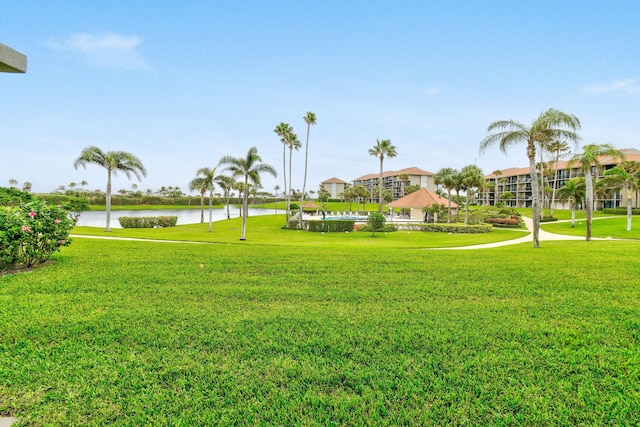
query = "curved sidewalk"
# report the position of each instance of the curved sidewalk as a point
(528, 222)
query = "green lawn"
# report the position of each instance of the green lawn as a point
(266, 229)
(615, 227)
(310, 333)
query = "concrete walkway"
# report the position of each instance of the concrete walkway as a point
(528, 222)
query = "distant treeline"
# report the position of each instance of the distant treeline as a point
(119, 200)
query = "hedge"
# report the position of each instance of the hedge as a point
(448, 228)
(502, 221)
(620, 211)
(331, 226)
(147, 221)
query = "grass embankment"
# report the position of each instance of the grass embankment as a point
(604, 227)
(143, 333)
(266, 230)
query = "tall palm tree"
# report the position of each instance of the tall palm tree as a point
(472, 179)
(404, 178)
(574, 192)
(201, 185)
(557, 148)
(381, 150)
(294, 143)
(445, 177)
(310, 120)
(113, 162)
(249, 167)
(226, 183)
(588, 159)
(625, 175)
(550, 124)
(207, 175)
(285, 132)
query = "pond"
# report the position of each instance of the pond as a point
(185, 216)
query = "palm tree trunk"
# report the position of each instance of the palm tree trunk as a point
(245, 203)
(228, 193)
(284, 176)
(202, 207)
(108, 201)
(449, 212)
(588, 200)
(573, 215)
(210, 211)
(555, 182)
(535, 198)
(380, 185)
(304, 181)
(289, 194)
(629, 209)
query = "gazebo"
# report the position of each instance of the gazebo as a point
(310, 206)
(417, 200)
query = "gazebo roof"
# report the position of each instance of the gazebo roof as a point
(310, 205)
(419, 199)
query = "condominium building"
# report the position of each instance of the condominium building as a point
(397, 181)
(512, 186)
(334, 186)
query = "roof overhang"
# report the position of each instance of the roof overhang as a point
(12, 61)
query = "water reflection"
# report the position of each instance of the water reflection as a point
(185, 216)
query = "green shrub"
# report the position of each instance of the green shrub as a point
(387, 228)
(620, 211)
(147, 221)
(376, 222)
(548, 218)
(502, 221)
(31, 233)
(447, 228)
(331, 226)
(13, 197)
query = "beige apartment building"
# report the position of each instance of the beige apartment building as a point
(396, 181)
(512, 186)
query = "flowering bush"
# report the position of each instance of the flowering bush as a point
(31, 233)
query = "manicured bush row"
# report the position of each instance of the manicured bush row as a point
(502, 221)
(620, 211)
(548, 219)
(447, 228)
(147, 221)
(331, 226)
(387, 228)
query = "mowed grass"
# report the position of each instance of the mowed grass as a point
(603, 227)
(267, 230)
(144, 333)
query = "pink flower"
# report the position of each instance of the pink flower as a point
(57, 221)
(62, 242)
(27, 229)
(32, 214)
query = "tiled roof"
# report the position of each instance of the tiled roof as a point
(420, 199)
(629, 154)
(334, 180)
(409, 171)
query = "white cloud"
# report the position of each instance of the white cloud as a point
(106, 50)
(431, 91)
(628, 86)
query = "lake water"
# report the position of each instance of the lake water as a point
(185, 216)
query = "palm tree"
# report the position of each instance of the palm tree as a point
(250, 167)
(589, 159)
(551, 124)
(227, 184)
(310, 120)
(574, 192)
(625, 175)
(285, 132)
(404, 178)
(381, 150)
(558, 148)
(445, 177)
(472, 179)
(202, 182)
(113, 162)
(294, 142)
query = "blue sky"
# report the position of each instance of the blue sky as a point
(181, 84)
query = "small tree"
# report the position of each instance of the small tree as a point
(376, 221)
